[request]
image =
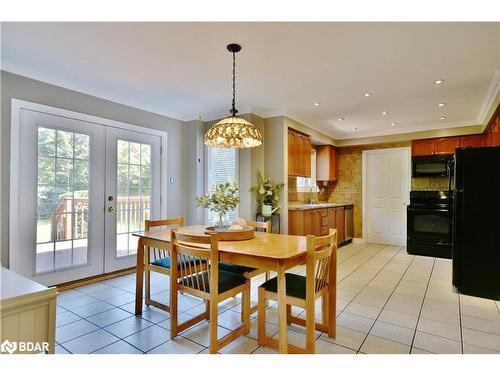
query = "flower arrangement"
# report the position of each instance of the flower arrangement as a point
(267, 194)
(222, 198)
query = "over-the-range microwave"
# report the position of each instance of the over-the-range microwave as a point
(432, 166)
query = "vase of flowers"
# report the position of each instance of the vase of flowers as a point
(267, 195)
(222, 199)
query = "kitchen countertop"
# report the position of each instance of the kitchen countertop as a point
(315, 206)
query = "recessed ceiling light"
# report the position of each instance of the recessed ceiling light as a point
(394, 124)
(341, 119)
(440, 105)
(442, 118)
(438, 81)
(316, 104)
(354, 129)
(384, 113)
(367, 94)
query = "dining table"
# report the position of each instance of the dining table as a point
(265, 251)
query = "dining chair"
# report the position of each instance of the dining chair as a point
(249, 272)
(303, 291)
(209, 283)
(158, 260)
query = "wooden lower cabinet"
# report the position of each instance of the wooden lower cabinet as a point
(317, 222)
(340, 221)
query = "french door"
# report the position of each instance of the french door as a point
(132, 192)
(84, 189)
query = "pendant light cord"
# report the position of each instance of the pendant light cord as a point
(233, 109)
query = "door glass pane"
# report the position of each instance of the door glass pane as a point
(133, 182)
(62, 203)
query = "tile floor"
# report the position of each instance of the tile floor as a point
(388, 302)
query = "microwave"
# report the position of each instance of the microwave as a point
(432, 166)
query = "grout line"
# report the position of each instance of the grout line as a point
(388, 298)
(460, 322)
(422, 304)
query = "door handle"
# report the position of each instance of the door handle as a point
(111, 209)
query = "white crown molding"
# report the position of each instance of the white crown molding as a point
(489, 99)
(407, 130)
(10, 67)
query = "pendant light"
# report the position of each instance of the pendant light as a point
(233, 131)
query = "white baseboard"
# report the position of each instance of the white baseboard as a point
(358, 240)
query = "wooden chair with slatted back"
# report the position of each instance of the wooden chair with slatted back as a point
(249, 272)
(303, 291)
(209, 283)
(158, 260)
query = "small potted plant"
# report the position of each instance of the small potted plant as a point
(222, 199)
(267, 195)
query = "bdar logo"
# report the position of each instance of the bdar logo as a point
(9, 347)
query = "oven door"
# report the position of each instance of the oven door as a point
(429, 224)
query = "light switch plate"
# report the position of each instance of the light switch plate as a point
(171, 180)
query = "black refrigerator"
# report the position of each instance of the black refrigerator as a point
(476, 222)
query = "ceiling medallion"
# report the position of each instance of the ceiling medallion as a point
(233, 131)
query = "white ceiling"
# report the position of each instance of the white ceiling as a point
(183, 70)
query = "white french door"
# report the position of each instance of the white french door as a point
(386, 190)
(83, 190)
(132, 192)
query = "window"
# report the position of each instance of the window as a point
(221, 166)
(305, 183)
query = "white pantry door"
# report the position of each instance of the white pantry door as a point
(386, 194)
(83, 189)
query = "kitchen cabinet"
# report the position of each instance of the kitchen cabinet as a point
(27, 312)
(291, 153)
(492, 136)
(299, 154)
(327, 163)
(476, 140)
(446, 145)
(318, 222)
(340, 224)
(423, 147)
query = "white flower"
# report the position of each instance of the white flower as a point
(269, 192)
(262, 191)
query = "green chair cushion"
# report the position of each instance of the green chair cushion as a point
(165, 262)
(227, 281)
(234, 268)
(295, 285)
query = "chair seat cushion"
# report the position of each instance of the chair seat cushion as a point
(165, 262)
(295, 285)
(227, 281)
(234, 268)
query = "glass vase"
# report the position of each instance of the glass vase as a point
(221, 222)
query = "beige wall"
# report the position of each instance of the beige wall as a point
(14, 86)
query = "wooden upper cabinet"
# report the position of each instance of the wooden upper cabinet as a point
(476, 140)
(306, 152)
(299, 154)
(423, 147)
(327, 163)
(447, 145)
(291, 152)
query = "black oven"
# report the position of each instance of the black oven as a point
(432, 166)
(429, 224)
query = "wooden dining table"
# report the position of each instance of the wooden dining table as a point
(267, 252)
